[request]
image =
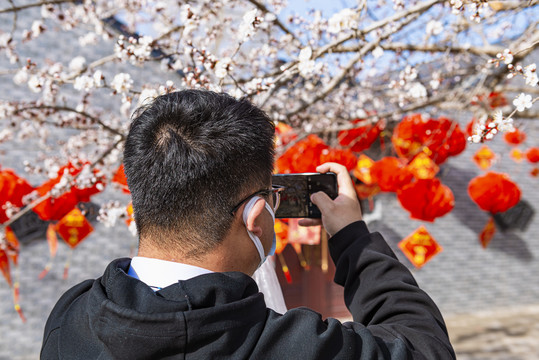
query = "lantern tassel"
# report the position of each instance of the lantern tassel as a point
(68, 263)
(302, 261)
(52, 240)
(324, 244)
(16, 293)
(285, 269)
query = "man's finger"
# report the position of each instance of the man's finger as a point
(346, 187)
(322, 200)
(310, 222)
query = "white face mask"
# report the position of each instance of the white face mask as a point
(258, 244)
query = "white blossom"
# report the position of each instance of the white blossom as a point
(122, 83)
(306, 66)
(249, 24)
(5, 134)
(77, 64)
(221, 67)
(88, 39)
(523, 102)
(417, 91)
(530, 74)
(507, 56)
(146, 95)
(6, 109)
(37, 28)
(98, 78)
(345, 19)
(133, 228)
(84, 83)
(378, 52)
(434, 27)
(35, 83)
(20, 76)
(5, 38)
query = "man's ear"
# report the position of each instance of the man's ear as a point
(252, 217)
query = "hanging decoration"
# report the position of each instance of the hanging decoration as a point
(52, 241)
(438, 138)
(341, 156)
(66, 190)
(9, 251)
(420, 247)
(484, 157)
(12, 190)
(390, 174)
(304, 156)
(423, 167)
(517, 155)
(515, 137)
(284, 134)
(362, 170)
(120, 179)
(533, 155)
(362, 137)
(487, 233)
(281, 235)
(426, 199)
(494, 192)
(73, 228)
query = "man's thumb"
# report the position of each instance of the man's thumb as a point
(322, 200)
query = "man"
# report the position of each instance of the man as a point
(199, 168)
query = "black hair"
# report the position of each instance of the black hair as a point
(189, 157)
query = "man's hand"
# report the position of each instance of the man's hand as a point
(338, 213)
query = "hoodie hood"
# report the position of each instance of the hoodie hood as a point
(210, 316)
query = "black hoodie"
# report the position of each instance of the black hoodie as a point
(222, 315)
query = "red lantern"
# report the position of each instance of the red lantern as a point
(390, 174)
(284, 134)
(304, 156)
(438, 138)
(426, 199)
(533, 155)
(340, 156)
(121, 179)
(494, 192)
(54, 208)
(515, 137)
(12, 190)
(362, 137)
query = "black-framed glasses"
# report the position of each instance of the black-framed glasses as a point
(275, 192)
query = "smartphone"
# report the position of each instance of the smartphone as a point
(296, 197)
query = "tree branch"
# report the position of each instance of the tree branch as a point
(491, 50)
(66, 108)
(292, 65)
(362, 52)
(31, 5)
(278, 22)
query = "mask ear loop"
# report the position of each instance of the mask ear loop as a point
(246, 211)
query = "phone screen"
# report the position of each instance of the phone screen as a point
(296, 198)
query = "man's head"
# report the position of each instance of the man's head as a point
(190, 156)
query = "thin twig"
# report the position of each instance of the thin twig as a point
(31, 5)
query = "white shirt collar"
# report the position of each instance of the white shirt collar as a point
(158, 274)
